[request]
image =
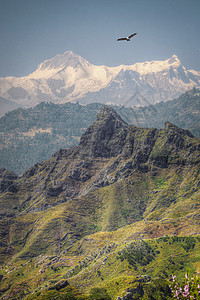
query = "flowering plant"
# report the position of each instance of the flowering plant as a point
(189, 289)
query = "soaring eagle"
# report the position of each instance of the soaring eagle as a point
(127, 38)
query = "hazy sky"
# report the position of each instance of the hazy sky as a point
(34, 30)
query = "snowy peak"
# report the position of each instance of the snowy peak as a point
(71, 59)
(68, 59)
(60, 62)
(155, 66)
(174, 60)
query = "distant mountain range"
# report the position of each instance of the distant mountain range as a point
(28, 136)
(114, 215)
(69, 77)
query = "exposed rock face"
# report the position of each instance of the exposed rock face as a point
(106, 137)
(59, 285)
(7, 179)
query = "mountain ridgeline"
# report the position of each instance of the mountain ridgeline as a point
(69, 77)
(88, 216)
(28, 136)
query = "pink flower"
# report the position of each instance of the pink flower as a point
(173, 277)
(186, 288)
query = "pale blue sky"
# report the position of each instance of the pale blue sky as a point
(34, 30)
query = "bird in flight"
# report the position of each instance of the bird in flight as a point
(127, 38)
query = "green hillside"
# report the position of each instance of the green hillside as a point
(32, 135)
(116, 215)
(183, 111)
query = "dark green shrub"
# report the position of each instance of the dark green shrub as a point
(99, 294)
(157, 290)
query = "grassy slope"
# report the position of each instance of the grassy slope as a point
(99, 261)
(172, 195)
(94, 260)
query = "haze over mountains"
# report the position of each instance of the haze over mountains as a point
(69, 77)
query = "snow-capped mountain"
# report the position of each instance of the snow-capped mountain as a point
(69, 77)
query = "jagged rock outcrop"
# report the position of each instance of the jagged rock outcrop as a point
(106, 137)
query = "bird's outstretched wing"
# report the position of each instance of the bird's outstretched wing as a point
(130, 36)
(122, 39)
